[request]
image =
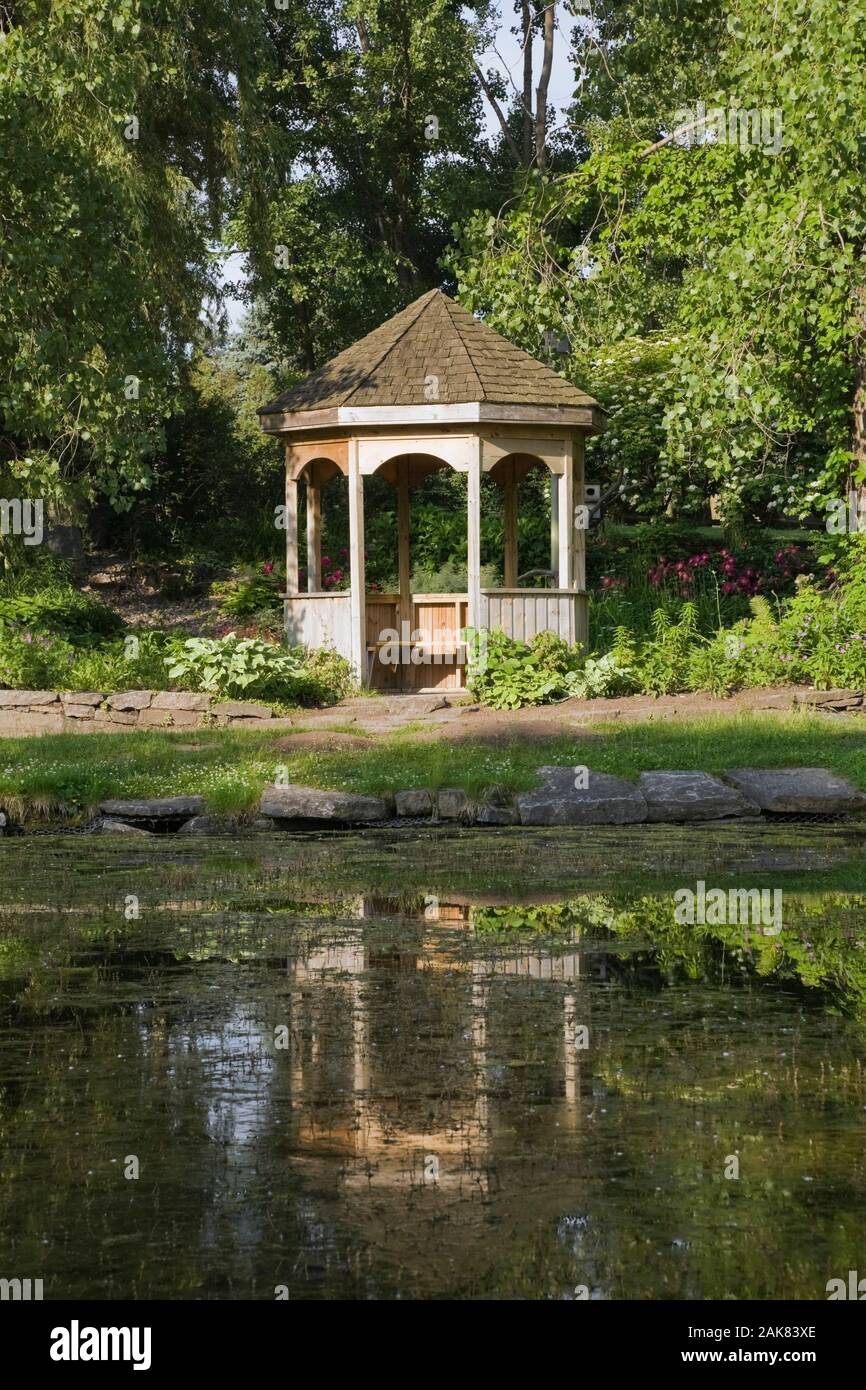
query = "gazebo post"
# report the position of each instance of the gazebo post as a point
(314, 532)
(566, 520)
(578, 572)
(404, 563)
(356, 564)
(473, 535)
(510, 499)
(554, 523)
(291, 535)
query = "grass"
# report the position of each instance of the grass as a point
(69, 774)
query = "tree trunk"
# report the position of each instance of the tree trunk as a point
(543, 86)
(527, 17)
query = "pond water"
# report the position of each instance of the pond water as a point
(415, 1064)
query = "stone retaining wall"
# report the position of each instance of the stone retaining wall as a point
(81, 712)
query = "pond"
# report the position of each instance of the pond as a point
(415, 1064)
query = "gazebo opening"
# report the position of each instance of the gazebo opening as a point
(433, 388)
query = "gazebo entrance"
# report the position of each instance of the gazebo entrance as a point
(401, 640)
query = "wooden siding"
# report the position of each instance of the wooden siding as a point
(523, 613)
(320, 620)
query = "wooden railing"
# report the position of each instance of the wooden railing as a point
(434, 658)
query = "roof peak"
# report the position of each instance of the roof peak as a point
(432, 351)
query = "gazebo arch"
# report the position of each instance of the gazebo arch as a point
(433, 387)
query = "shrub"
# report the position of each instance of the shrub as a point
(331, 676)
(506, 674)
(249, 592)
(240, 667)
(60, 611)
(450, 578)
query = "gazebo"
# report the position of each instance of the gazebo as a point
(431, 388)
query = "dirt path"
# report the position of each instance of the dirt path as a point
(459, 718)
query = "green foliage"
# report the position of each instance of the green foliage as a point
(236, 667)
(62, 611)
(346, 104)
(248, 593)
(29, 662)
(105, 256)
(506, 674)
(741, 264)
(331, 677)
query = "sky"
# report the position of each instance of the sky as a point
(506, 55)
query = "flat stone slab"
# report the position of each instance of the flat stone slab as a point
(798, 790)
(691, 796)
(310, 804)
(180, 699)
(162, 718)
(9, 698)
(161, 808)
(21, 722)
(130, 699)
(563, 800)
(91, 698)
(243, 709)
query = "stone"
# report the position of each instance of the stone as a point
(453, 803)
(78, 711)
(209, 825)
(115, 716)
(159, 808)
(691, 796)
(798, 790)
(774, 699)
(605, 800)
(495, 815)
(81, 697)
(107, 826)
(180, 699)
(28, 698)
(130, 699)
(264, 823)
(832, 699)
(14, 722)
(160, 718)
(309, 804)
(67, 543)
(242, 709)
(414, 803)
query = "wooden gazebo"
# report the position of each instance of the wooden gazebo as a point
(431, 388)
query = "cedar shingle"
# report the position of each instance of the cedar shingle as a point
(431, 337)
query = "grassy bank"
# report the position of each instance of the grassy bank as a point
(70, 773)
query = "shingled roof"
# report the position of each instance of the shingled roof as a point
(432, 337)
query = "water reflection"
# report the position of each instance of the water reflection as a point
(424, 1090)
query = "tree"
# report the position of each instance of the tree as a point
(375, 114)
(119, 129)
(747, 249)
